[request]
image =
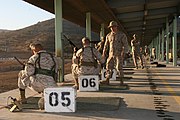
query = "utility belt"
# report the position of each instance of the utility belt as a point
(88, 64)
(45, 72)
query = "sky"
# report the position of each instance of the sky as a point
(17, 14)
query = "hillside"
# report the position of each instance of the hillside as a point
(17, 41)
(3, 30)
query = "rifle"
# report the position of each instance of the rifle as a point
(21, 63)
(74, 46)
(71, 43)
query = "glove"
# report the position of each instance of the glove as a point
(75, 49)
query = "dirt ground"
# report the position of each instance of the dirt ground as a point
(9, 70)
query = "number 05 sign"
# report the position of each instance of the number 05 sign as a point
(60, 99)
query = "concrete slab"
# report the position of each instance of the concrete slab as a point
(139, 102)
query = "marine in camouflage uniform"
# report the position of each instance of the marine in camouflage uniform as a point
(86, 61)
(39, 72)
(117, 44)
(136, 51)
(147, 52)
(153, 53)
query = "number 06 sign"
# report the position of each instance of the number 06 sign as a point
(60, 99)
(88, 83)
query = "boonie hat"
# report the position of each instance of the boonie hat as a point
(112, 23)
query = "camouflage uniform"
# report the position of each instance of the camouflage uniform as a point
(84, 62)
(146, 52)
(117, 44)
(38, 82)
(136, 52)
(153, 53)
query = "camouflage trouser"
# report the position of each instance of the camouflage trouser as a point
(74, 69)
(84, 70)
(135, 56)
(114, 62)
(153, 56)
(37, 83)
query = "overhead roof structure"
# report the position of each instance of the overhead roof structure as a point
(143, 17)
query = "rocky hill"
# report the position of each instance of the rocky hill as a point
(3, 30)
(17, 41)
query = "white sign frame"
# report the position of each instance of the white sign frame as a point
(88, 83)
(60, 99)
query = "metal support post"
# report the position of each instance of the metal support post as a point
(167, 41)
(159, 46)
(175, 41)
(88, 25)
(162, 46)
(102, 34)
(58, 41)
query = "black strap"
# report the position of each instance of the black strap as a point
(45, 72)
(89, 63)
(39, 70)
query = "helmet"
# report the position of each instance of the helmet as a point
(85, 40)
(112, 23)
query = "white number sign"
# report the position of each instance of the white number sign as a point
(88, 83)
(103, 74)
(60, 99)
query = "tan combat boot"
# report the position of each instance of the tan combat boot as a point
(76, 84)
(105, 82)
(41, 103)
(22, 97)
(121, 81)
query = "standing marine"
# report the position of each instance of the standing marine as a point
(116, 44)
(136, 52)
